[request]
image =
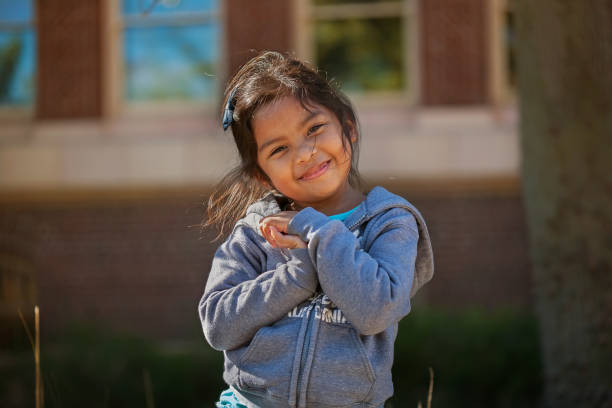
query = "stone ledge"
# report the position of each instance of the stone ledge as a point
(396, 143)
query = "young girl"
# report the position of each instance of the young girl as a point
(305, 295)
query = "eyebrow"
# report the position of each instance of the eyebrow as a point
(311, 115)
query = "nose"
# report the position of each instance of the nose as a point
(307, 150)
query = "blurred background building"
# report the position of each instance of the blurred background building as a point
(110, 140)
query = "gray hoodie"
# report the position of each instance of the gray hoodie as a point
(315, 327)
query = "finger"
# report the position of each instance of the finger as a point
(293, 241)
(264, 229)
(276, 236)
(279, 222)
(269, 236)
(287, 241)
(280, 239)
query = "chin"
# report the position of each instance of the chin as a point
(320, 196)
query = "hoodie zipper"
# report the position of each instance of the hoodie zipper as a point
(305, 347)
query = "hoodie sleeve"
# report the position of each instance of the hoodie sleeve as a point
(240, 297)
(372, 287)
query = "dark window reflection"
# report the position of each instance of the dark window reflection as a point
(362, 54)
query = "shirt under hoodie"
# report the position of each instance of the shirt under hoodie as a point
(316, 326)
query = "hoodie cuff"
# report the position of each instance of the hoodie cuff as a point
(304, 271)
(306, 222)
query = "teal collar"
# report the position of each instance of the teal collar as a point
(343, 216)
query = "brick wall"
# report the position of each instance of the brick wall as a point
(254, 26)
(141, 264)
(453, 52)
(136, 265)
(69, 76)
(481, 255)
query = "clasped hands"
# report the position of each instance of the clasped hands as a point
(274, 230)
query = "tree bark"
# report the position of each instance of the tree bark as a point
(565, 81)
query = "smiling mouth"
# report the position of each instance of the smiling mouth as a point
(316, 171)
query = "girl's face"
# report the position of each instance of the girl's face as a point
(301, 152)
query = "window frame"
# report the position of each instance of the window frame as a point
(306, 15)
(115, 103)
(501, 93)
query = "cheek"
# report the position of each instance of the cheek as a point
(276, 170)
(344, 149)
(330, 141)
(262, 172)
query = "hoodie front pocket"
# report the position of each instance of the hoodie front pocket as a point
(266, 364)
(341, 372)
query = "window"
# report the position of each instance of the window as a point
(17, 53)
(365, 45)
(170, 49)
(503, 52)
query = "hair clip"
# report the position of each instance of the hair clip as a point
(228, 112)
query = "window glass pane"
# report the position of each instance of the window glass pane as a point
(362, 54)
(17, 53)
(167, 6)
(171, 62)
(15, 11)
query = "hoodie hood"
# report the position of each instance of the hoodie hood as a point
(269, 204)
(379, 200)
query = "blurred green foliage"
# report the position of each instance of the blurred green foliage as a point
(479, 359)
(89, 367)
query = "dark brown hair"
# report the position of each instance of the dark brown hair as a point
(264, 79)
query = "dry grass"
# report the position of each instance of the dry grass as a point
(148, 386)
(430, 393)
(35, 342)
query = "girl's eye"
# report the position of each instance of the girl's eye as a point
(277, 150)
(314, 128)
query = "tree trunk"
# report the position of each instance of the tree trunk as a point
(565, 80)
